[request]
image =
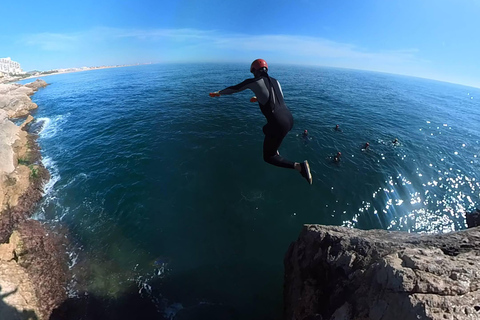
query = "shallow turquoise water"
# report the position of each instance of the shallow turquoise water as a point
(165, 187)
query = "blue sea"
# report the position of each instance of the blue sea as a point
(164, 189)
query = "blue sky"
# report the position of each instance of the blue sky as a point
(435, 39)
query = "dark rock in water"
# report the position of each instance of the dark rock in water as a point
(35, 127)
(341, 273)
(473, 218)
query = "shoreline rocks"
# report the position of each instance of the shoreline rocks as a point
(342, 273)
(15, 98)
(33, 261)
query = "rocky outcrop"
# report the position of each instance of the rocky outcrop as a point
(42, 253)
(32, 271)
(15, 282)
(340, 273)
(37, 84)
(9, 133)
(32, 256)
(15, 100)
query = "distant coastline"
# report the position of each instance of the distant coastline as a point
(15, 78)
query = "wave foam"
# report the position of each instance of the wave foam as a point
(54, 175)
(51, 126)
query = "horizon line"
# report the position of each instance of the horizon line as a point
(278, 63)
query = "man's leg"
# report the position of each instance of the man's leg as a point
(271, 155)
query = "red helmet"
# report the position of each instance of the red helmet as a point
(258, 64)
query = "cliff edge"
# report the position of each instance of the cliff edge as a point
(338, 273)
(32, 262)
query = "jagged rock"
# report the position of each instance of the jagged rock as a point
(16, 105)
(341, 273)
(32, 273)
(9, 133)
(15, 100)
(16, 286)
(6, 88)
(7, 250)
(18, 300)
(26, 122)
(40, 250)
(35, 85)
(473, 218)
(23, 90)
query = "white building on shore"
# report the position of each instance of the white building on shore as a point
(8, 66)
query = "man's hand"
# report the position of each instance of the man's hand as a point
(253, 99)
(214, 94)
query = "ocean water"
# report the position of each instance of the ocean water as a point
(164, 188)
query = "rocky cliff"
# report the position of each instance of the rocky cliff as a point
(15, 98)
(339, 273)
(32, 262)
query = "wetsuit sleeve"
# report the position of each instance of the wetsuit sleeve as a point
(247, 84)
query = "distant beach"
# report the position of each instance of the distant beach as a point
(10, 79)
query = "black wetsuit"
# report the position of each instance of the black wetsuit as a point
(279, 119)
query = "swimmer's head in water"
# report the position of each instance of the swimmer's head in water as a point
(336, 158)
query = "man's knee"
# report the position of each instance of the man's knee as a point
(269, 157)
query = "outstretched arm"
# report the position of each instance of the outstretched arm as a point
(234, 89)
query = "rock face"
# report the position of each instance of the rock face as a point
(9, 133)
(37, 84)
(33, 264)
(339, 273)
(15, 100)
(16, 284)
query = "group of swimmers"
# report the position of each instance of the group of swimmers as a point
(338, 155)
(269, 95)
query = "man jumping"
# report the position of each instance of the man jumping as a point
(269, 95)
